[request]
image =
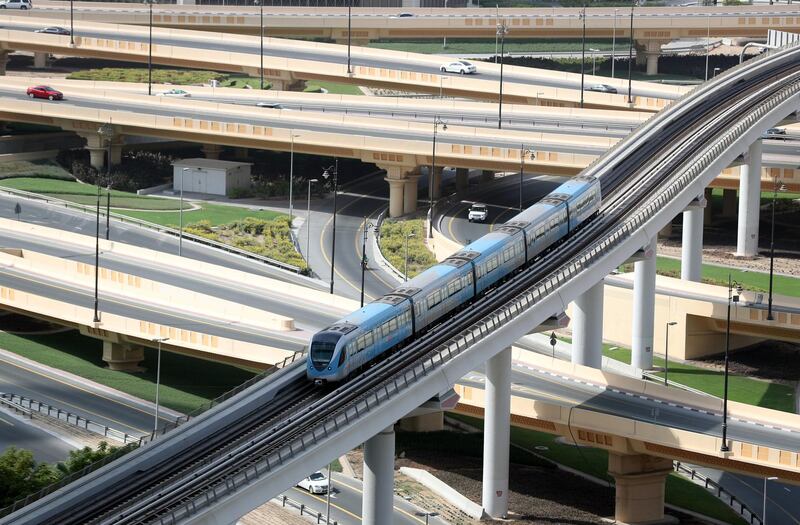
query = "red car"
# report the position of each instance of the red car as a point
(45, 92)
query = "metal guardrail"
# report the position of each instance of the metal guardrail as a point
(305, 509)
(712, 486)
(68, 417)
(16, 408)
(155, 227)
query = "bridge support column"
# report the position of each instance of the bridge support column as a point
(123, 357)
(410, 194)
(729, 203)
(497, 435)
(462, 180)
(396, 192)
(749, 202)
(707, 211)
(40, 60)
(436, 182)
(587, 331)
(97, 158)
(3, 61)
(212, 151)
(640, 482)
(692, 245)
(644, 305)
(377, 508)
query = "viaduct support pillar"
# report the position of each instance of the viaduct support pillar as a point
(640, 482)
(587, 331)
(410, 194)
(123, 357)
(40, 60)
(377, 508)
(749, 202)
(212, 151)
(3, 61)
(729, 203)
(97, 158)
(395, 197)
(692, 245)
(436, 182)
(462, 180)
(497, 435)
(644, 304)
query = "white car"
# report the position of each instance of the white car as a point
(16, 4)
(316, 483)
(602, 88)
(478, 213)
(174, 92)
(459, 66)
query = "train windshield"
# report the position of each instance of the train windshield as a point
(322, 348)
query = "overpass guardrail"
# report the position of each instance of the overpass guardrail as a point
(155, 227)
(712, 486)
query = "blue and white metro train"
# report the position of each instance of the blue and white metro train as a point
(386, 323)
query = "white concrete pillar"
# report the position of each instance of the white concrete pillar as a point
(749, 202)
(462, 180)
(729, 203)
(410, 194)
(436, 182)
(396, 191)
(97, 158)
(212, 151)
(652, 63)
(40, 60)
(116, 154)
(692, 245)
(587, 328)
(376, 506)
(497, 435)
(644, 306)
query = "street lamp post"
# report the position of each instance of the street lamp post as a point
(150, 48)
(594, 58)
(775, 190)
(405, 268)
(666, 351)
(735, 299)
(708, 41)
(349, 26)
(108, 211)
(308, 224)
(523, 152)
(71, 25)
(583, 50)
(367, 226)
(764, 511)
(502, 30)
(158, 340)
(180, 216)
(716, 70)
(614, 43)
(630, 58)
(291, 180)
(260, 4)
(106, 131)
(328, 495)
(333, 171)
(436, 123)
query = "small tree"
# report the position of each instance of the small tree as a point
(21, 475)
(80, 459)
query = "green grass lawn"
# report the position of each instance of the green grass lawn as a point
(333, 88)
(33, 168)
(72, 191)
(140, 74)
(216, 214)
(679, 491)
(186, 382)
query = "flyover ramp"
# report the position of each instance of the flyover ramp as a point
(287, 61)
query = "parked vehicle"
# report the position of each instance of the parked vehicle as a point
(602, 88)
(477, 212)
(270, 105)
(775, 133)
(316, 483)
(16, 4)
(403, 15)
(387, 323)
(45, 92)
(53, 30)
(174, 92)
(460, 66)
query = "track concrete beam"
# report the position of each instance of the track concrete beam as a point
(644, 306)
(497, 435)
(749, 202)
(587, 328)
(692, 245)
(640, 483)
(376, 507)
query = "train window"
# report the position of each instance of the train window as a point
(508, 254)
(469, 278)
(419, 307)
(393, 324)
(369, 340)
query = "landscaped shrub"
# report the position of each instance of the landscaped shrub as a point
(138, 169)
(393, 245)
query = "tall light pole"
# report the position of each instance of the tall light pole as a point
(666, 351)
(150, 48)
(630, 58)
(260, 4)
(708, 41)
(108, 182)
(523, 152)
(735, 299)
(349, 27)
(367, 226)
(436, 123)
(308, 224)
(158, 340)
(71, 25)
(180, 216)
(583, 50)
(106, 131)
(764, 512)
(291, 179)
(108, 210)
(328, 495)
(614, 43)
(594, 58)
(775, 190)
(502, 31)
(328, 172)
(405, 268)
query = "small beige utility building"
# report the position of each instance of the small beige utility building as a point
(214, 177)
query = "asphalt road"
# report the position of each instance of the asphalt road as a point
(17, 433)
(332, 54)
(346, 504)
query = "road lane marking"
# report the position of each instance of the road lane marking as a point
(9, 423)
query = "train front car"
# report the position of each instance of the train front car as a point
(326, 353)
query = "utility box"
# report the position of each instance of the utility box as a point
(212, 177)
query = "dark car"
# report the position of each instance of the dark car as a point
(53, 30)
(45, 92)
